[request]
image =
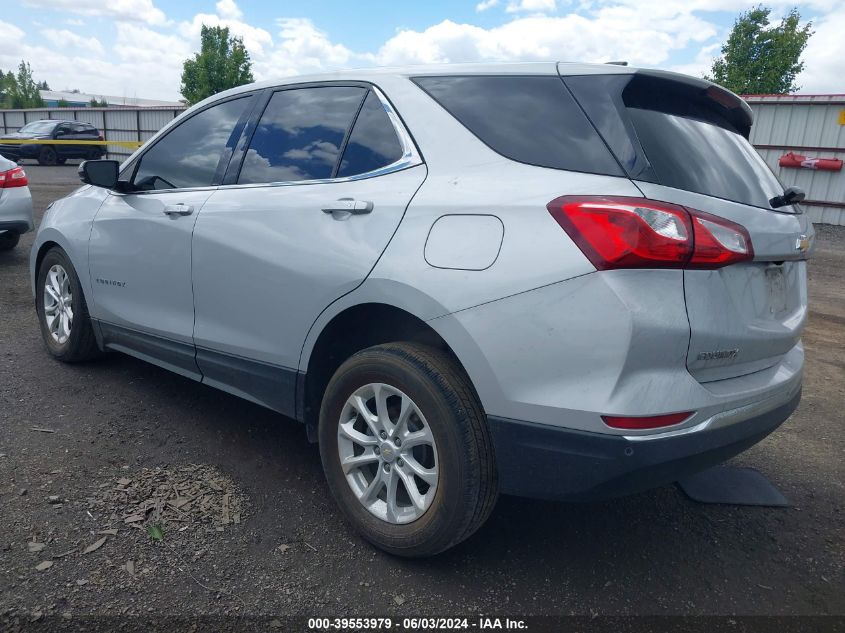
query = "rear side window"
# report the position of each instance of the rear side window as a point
(373, 143)
(300, 134)
(532, 120)
(189, 154)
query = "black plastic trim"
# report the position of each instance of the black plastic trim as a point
(176, 356)
(15, 227)
(547, 462)
(271, 386)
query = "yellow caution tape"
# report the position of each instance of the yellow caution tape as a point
(35, 141)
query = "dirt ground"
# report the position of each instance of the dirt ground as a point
(80, 445)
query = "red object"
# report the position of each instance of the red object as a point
(13, 178)
(620, 232)
(797, 160)
(647, 422)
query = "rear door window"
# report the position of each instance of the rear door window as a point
(300, 134)
(373, 143)
(530, 119)
(190, 155)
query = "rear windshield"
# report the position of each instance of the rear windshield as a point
(673, 133)
(530, 119)
(705, 158)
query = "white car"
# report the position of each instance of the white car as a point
(15, 204)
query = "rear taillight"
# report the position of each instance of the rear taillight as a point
(645, 422)
(13, 178)
(618, 232)
(100, 137)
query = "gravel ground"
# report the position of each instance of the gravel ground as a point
(290, 553)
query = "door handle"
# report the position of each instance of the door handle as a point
(178, 209)
(348, 205)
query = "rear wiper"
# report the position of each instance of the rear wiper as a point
(791, 195)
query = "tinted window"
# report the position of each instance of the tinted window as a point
(300, 134)
(705, 158)
(373, 142)
(188, 155)
(532, 120)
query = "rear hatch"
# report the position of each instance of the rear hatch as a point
(684, 141)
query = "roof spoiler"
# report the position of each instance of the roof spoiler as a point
(738, 111)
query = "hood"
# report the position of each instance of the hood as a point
(19, 135)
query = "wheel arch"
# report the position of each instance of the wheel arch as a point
(349, 330)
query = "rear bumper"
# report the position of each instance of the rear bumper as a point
(547, 462)
(16, 210)
(16, 226)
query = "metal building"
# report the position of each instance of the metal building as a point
(808, 127)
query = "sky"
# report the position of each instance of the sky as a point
(135, 48)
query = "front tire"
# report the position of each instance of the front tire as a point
(9, 240)
(437, 485)
(62, 312)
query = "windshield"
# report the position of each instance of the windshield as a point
(690, 154)
(38, 127)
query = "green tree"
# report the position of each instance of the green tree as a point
(222, 63)
(759, 58)
(62, 103)
(24, 91)
(98, 104)
(5, 88)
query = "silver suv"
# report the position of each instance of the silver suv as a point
(553, 280)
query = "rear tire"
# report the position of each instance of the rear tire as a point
(47, 157)
(69, 340)
(9, 240)
(466, 483)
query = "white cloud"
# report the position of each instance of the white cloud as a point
(613, 34)
(229, 10)
(702, 63)
(120, 10)
(486, 4)
(255, 38)
(533, 6)
(10, 35)
(301, 48)
(64, 38)
(823, 57)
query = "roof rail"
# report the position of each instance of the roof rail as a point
(617, 63)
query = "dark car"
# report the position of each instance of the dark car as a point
(52, 129)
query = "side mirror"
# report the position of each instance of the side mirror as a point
(792, 195)
(59, 133)
(100, 173)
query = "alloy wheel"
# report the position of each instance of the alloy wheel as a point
(58, 304)
(388, 453)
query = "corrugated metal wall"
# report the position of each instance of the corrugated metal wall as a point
(116, 124)
(808, 125)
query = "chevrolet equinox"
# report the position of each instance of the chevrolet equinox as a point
(560, 281)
